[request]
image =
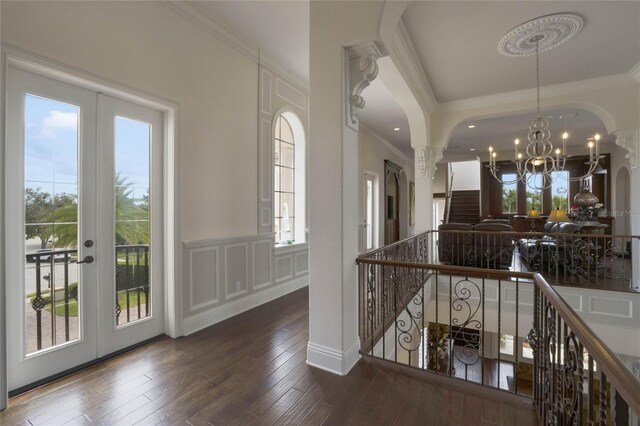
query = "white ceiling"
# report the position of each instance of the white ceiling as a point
(279, 28)
(456, 43)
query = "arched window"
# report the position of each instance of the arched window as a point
(289, 180)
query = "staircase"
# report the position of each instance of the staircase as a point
(465, 207)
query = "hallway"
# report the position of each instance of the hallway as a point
(251, 369)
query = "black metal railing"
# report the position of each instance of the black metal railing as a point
(52, 293)
(587, 260)
(504, 329)
(569, 389)
(132, 283)
(51, 296)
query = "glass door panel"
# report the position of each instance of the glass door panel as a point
(52, 286)
(130, 184)
(132, 220)
(50, 202)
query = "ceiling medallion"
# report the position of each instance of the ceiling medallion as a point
(553, 29)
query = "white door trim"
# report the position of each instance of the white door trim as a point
(15, 57)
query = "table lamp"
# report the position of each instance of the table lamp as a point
(558, 215)
(533, 215)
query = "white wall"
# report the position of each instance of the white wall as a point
(150, 47)
(440, 178)
(466, 175)
(372, 151)
(228, 266)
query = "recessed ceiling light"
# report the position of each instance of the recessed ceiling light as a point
(395, 129)
(471, 126)
(472, 149)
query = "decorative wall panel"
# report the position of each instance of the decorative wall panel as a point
(262, 261)
(236, 269)
(284, 268)
(227, 276)
(204, 264)
(288, 93)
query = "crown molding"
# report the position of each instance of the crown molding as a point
(194, 13)
(406, 58)
(387, 144)
(598, 83)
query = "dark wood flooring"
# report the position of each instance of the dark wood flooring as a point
(251, 370)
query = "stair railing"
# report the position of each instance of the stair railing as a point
(501, 329)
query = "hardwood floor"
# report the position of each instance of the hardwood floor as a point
(250, 370)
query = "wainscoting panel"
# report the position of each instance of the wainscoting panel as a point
(205, 278)
(284, 268)
(302, 263)
(236, 269)
(228, 276)
(262, 263)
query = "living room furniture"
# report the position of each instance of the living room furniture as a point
(491, 246)
(557, 247)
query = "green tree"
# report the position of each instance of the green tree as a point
(37, 208)
(131, 215)
(509, 200)
(64, 220)
(560, 202)
(534, 201)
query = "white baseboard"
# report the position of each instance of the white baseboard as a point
(220, 313)
(332, 360)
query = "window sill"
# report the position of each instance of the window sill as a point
(286, 248)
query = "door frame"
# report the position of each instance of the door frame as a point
(172, 267)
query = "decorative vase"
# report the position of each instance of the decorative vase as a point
(585, 198)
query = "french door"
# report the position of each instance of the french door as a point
(84, 225)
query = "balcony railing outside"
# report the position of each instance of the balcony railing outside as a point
(53, 318)
(450, 320)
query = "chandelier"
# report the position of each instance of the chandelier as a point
(539, 164)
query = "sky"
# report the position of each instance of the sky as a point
(51, 147)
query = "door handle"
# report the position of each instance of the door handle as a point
(87, 259)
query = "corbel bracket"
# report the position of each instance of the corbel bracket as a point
(426, 160)
(629, 140)
(362, 69)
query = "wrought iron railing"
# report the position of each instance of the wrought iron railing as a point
(569, 389)
(592, 260)
(132, 283)
(504, 329)
(52, 298)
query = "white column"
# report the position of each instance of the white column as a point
(425, 166)
(337, 78)
(630, 140)
(424, 191)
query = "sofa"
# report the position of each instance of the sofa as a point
(490, 246)
(557, 248)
